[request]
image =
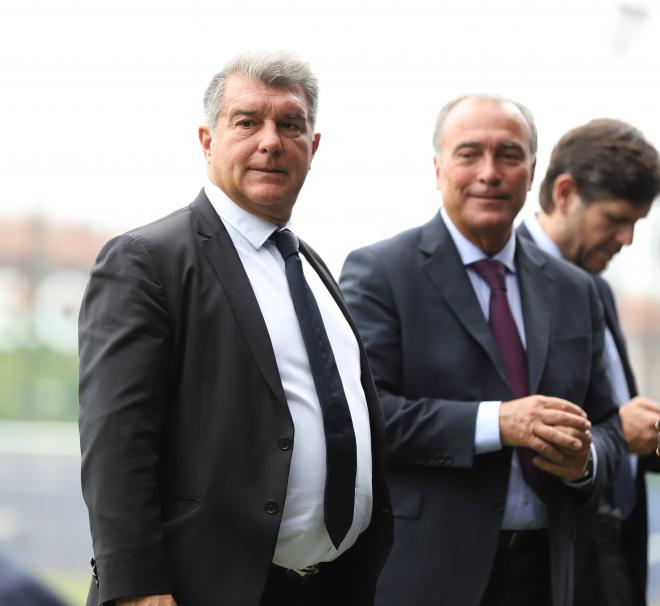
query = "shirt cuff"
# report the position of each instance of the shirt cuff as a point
(590, 480)
(487, 429)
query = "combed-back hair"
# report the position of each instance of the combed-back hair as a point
(607, 159)
(273, 68)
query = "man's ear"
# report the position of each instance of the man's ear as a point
(565, 194)
(532, 172)
(205, 138)
(315, 143)
(438, 167)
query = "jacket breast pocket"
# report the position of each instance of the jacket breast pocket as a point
(568, 368)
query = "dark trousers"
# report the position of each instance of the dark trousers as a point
(284, 588)
(521, 572)
(613, 578)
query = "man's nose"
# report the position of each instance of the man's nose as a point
(488, 171)
(625, 234)
(270, 142)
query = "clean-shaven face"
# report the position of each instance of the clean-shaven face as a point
(484, 169)
(262, 147)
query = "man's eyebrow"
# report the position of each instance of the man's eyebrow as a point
(468, 144)
(511, 145)
(242, 112)
(295, 116)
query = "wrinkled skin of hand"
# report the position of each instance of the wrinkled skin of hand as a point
(556, 429)
(637, 420)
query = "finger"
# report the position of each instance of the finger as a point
(556, 469)
(547, 450)
(657, 426)
(650, 405)
(563, 405)
(561, 437)
(584, 437)
(570, 472)
(559, 417)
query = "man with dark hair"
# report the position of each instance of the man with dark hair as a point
(232, 442)
(485, 382)
(602, 178)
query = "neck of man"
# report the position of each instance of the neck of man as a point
(555, 227)
(489, 242)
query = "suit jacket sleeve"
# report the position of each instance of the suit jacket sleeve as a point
(124, 343)
(420, 430)
(600, 406)
(650, 462)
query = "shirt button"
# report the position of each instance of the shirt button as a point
(284, 443)
(526, 500)
(271, 507)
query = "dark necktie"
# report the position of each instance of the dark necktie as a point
(513, 354)
(341, 453)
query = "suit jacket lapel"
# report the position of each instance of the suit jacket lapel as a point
(224, 259)
(612, 321)
(444, 268)
(536, 293)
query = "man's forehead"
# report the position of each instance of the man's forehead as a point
(254, 95)
(474, 118)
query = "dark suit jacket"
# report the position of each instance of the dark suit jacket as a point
(635, 529)
(182, 415)
(434, 359)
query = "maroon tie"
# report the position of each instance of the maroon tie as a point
(512, 353)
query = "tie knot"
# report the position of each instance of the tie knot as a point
(286, 242)
(493, 272)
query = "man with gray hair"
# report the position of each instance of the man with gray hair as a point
(487, 355)
(230, 430)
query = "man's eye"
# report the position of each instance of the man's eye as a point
(246, 123)
(292, 126)
(466, 155)
(512, 156)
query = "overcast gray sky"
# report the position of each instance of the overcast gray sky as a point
(101, 99)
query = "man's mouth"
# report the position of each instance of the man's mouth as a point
(488, 196)
(274, 171)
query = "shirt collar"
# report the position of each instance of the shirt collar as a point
(471, 253)
(254, 229)
(541, 239)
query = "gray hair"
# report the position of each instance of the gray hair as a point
(446, 109)
(272, 68)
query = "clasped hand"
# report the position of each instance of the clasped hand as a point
(558, 430)
(637, 418)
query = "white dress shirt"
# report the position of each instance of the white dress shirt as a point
(523, 509)
(303, 539)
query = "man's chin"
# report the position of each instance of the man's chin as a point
(597, 266)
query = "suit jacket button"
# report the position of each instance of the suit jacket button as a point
(284, 443)
(271, 507)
